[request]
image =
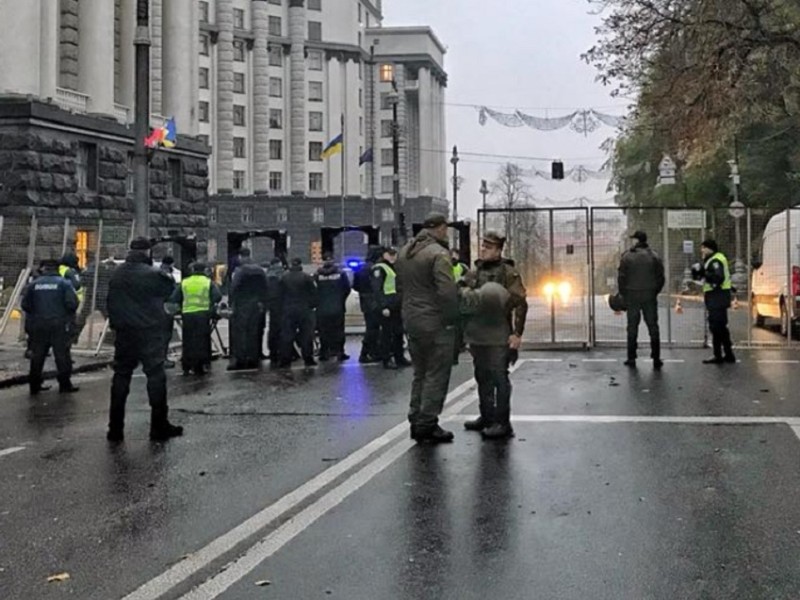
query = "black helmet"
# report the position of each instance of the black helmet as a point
(617, 303)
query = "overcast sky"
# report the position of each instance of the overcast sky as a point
(516, 54)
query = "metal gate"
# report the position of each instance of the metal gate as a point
(568, 258)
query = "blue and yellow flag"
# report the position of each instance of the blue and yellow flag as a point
(170, 137)
(334, 147)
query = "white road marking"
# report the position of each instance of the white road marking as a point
(160, 585)
(674, 360)
(8, 451)
(273, 542)
(545, 360)
(697, 420)
(779, 362)
(600, 360)
(796, 430)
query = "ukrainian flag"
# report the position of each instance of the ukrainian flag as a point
(334, 147)
(170, 137)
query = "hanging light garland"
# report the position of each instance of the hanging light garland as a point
(584, 121)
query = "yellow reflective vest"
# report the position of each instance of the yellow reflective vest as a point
(390, 280)
(726, 284)
(196, 294)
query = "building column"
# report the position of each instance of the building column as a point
(428, 135)
(224, 116)
(127, 54)
(402, 119)
(260, 13)
(156, 56)
(96, 54)
(19, 52)
(178, 64)
(297, 97)
(49, 58)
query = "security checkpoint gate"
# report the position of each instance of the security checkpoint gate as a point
(569, 258)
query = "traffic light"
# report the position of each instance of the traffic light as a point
(558, 170)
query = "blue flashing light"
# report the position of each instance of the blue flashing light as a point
(354, 264)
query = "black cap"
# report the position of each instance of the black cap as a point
(297, 262)
(198, 268)
(641, 236)
(140, 243)
(434, 220)
(389, 250)
(711, 245)
(168, 260)
(48, 263)
(494, 238)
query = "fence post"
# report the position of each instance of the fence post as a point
(590, 262)
(29, 266)
(789, 291)
(668, 271)
(94, 283)
(749, 251)
(66, 236)
(552, 272)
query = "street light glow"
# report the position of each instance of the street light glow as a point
(387, 73)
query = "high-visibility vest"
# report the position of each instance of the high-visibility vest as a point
(62, 271)
(390, 281)
(458, 271)
(196, 294)
(726, 284)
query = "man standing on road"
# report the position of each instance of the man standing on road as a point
(494, 338)
(333, 287)
(275, 273)
(136, 297)
(196, 298)
(70, 270)
(299, 298)
(387, 303)
(430, 309)
(640, 280)
(248, 293)
(370, 347)
(717, 287)
(50, 303)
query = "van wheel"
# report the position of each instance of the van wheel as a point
(786, 326)
(756, 319)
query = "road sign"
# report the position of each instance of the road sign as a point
(736, 209)
(686, 219)
(688, 247)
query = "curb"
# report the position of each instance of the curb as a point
(87, 368)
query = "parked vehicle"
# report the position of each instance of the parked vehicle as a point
(775, 283)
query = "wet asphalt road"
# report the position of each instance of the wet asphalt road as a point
(619, 484)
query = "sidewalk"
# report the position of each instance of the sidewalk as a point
(14, 365)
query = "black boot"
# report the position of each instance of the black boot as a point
(436, 435)
(478, 424)
(498, 431)
(160, 427)
(68, 388)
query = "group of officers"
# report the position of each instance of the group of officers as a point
(420, 292)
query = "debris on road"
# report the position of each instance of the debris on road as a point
(58, 577)
(263, 583)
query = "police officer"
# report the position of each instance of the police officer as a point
(299, 298)
(248, 294)
(494, 338)
(50, 303)
(640, 281)
(717, 287)
(196, 298)
(69, 269)
(333, 287)
(430, 309)
(370, 346)
(136, 297)
(459, 270)
(387, 304)
(275, 273)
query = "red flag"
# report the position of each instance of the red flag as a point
(154, 139)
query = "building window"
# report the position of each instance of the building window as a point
(318, 215)
(82, 247)
(360, 125)
(275, 2)
(204, 12)
(239, 147)
(315, 121)
(238, 83)
(315, 151)
(238, 51)
(87, 167)
(212, 250)
(276, 87)
(202, 108)
(315, 5)
(387, 184)
(213, 216)
(387, 157)
(247, 213)
(238, 180)
(315, 182)
(129, 180)
(204, 45)
(275, 150)
(238, 18)
(275, 56)
(315, 60)
(360, 98)
(275, 181)
(238, 115)
(386, 129)
(203, 78)
(175, 178)
(275, 26)
(282, 215)
(386, 101)
(275, 118)
(315, 91)
(315, 31)
(360, 13)
(387, 215)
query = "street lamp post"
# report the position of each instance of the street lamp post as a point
(484, 191)
(142, 119)
(454, 162)
(387, 76)
(737, 211)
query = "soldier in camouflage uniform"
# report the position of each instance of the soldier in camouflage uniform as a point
(494, 337)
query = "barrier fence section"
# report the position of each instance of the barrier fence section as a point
(569, 259)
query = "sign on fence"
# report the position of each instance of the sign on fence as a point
(686, 219)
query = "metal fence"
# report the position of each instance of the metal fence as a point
(569, 259)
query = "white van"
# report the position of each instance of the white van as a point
(776, 274)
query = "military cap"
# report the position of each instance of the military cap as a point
(494, 238)
(434, 220)
(141, 243)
